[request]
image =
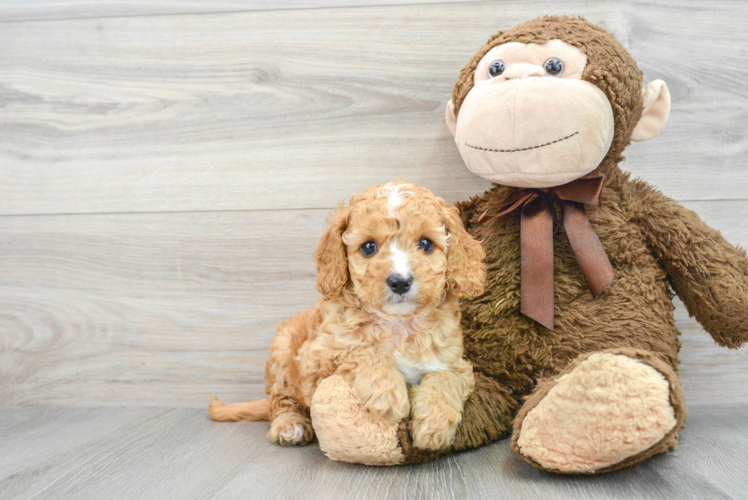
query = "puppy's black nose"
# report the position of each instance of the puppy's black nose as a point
(398, 284)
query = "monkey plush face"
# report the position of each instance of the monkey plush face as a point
(542, 112)
(530, 120)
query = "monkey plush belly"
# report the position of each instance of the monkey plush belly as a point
(603, 353)
(634, 311)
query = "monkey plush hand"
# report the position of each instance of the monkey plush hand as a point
(573, 344)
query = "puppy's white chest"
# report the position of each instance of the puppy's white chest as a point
(414, 372)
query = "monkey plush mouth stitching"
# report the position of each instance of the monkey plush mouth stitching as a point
(521, 149)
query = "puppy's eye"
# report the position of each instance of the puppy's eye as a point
(369, 248)
(496, 68)
(554, 67)
(426, 245)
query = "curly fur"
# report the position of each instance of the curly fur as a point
(402, 354)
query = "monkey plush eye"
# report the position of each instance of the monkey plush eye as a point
(369, 248)
(426, 245)
(496, 68)
(554, 67)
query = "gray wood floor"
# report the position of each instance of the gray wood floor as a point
(145, 453)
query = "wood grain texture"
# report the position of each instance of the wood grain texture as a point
(150, 453)
(301, 108)
(167, 309)
(147, 310)
(38, 10)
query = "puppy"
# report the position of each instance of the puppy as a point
(391, 268)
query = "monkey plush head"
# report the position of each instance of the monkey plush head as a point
(550, 101)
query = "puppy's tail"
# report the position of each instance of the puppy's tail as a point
(239, 412)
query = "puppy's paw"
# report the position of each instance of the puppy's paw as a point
(427, 434)
(390, 406)
(290, 429)
(385, 397)
(433, 421)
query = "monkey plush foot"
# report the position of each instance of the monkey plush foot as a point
(608, 410)
(349, 433)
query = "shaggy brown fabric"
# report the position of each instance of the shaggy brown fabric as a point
(653, 244)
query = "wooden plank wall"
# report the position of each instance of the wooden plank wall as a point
(166, 169)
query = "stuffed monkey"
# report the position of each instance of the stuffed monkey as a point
(573, 343)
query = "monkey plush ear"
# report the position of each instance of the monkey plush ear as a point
(656, 100)
(449, 115)
(331, 257)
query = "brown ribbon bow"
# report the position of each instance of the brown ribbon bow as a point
(536, 242)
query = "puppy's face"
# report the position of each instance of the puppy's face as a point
(396, 243)
(403, 248)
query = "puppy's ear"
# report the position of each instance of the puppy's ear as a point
(332, 262)
(466, 272)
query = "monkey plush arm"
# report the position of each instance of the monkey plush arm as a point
(709, 274)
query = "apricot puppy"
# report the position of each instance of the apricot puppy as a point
(391, 268)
